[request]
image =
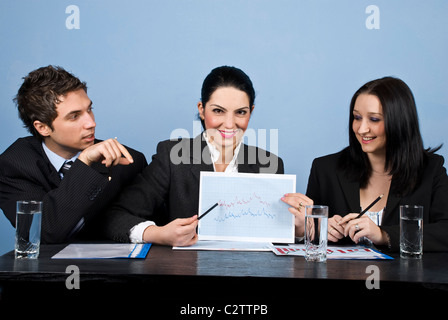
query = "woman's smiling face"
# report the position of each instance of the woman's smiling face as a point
(368, 124)
(226, 116)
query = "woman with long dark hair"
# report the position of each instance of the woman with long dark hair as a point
(385, 157)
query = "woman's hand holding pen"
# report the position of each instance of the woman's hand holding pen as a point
(354, 227)
(336, 230)
(298, 202)
(180, 232)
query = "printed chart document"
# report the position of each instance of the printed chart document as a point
(249, 207)
(333, 252)
(103, 251)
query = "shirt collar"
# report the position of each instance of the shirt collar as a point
(214, 152)
(56, 160)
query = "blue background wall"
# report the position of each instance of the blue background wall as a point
(144, 63)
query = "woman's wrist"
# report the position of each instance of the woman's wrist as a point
(385, 239)
(150, 235)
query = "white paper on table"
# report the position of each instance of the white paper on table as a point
(218, 245)
(103, 251)
(249, 207)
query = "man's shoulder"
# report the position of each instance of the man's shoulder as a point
(23, 148)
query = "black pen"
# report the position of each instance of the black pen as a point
(213, 207)
(369, 206)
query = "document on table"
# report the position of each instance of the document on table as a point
(218, 245)
(249, 208)
(103, 251)
(333, 252)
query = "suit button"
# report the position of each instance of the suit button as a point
(93, 192)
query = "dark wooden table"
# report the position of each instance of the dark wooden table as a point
(171, 280)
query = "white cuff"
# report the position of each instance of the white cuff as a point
(136, 234)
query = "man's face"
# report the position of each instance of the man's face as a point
(74, 127)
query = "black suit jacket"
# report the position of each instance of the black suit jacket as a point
(328, 185)
(169, 187)
(27, 174)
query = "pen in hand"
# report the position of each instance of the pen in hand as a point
(369, 206)
(213, 207)
(365, 210)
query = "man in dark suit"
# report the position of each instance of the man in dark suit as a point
(62, 164)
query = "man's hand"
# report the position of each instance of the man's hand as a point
(109, 152)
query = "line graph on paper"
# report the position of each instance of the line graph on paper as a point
(252, 206)
(249, 207)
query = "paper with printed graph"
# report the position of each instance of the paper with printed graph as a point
(249, 207)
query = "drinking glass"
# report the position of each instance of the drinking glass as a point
(316, 225)
(28, 228)
(411, 231)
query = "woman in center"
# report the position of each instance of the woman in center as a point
(161, 206)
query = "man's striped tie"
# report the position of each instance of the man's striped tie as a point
(65, 167)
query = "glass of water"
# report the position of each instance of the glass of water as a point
(316, 225)
(411, 231)
(28, 227)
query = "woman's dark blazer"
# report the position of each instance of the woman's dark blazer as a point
(328, 185)
(169, 187)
